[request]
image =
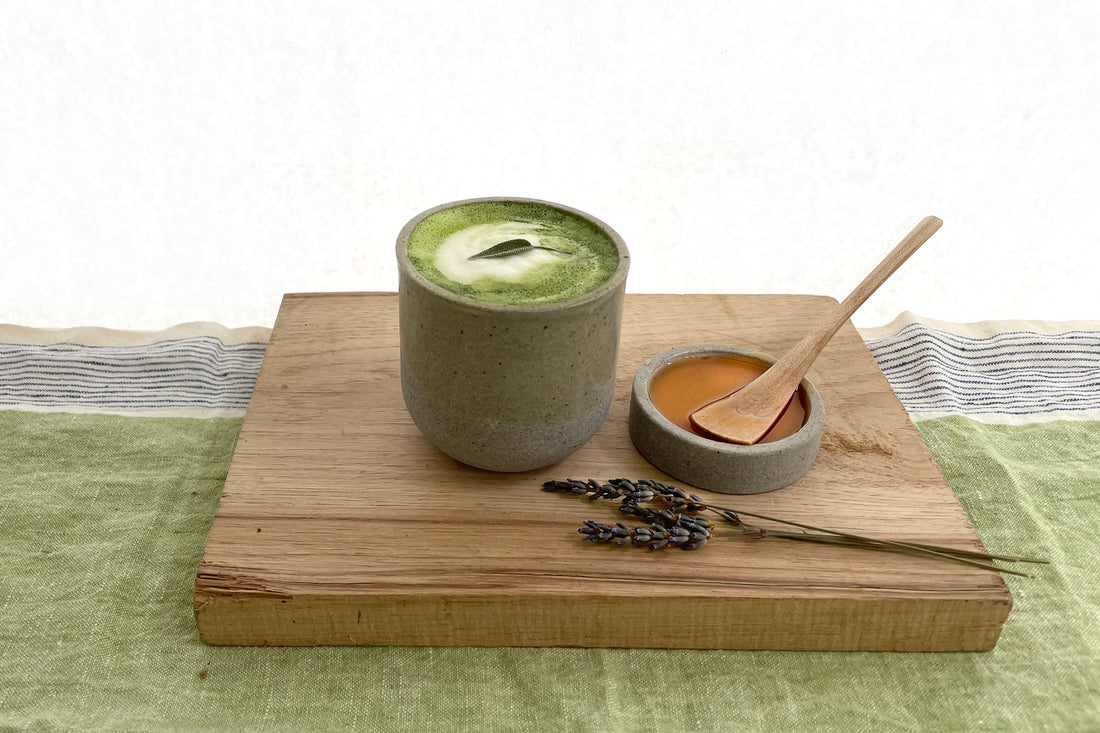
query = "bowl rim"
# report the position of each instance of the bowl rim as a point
(815, 418)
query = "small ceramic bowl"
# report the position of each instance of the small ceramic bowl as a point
(715, 465)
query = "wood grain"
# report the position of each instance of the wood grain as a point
(340, 524)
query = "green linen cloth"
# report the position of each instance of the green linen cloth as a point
(103, 519)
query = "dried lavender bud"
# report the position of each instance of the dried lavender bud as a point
(568, 487)
(731, 517)
(639, 496)
(596, 531)
(622, 533)
(691, 503)
(593, 488)
(665, 517)
(676, 496)
(690, 535)
(654, 516)
(701, 522)
(607, 491)
(661, 488)
(654, 537)
(632, 492)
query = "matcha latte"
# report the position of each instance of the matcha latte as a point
(512, 252)
(509, 313)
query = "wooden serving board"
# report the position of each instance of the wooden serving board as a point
(340, 524)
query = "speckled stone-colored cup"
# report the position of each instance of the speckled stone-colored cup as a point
(508, 387)
(715, 465)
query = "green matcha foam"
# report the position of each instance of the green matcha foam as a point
(570, 255)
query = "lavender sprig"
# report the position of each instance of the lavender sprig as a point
(685, 534)
(681, 517)
(672, 527)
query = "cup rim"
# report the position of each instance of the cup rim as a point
(613, 283)
(642, 378)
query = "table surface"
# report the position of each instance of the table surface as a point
(116, 448)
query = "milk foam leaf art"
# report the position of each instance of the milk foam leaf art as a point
(487, 250)
(676, 524)
(511, 247)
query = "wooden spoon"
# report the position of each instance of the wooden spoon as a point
(747, 414)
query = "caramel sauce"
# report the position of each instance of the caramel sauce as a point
(684, 386)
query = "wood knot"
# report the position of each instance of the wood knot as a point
(848, 442)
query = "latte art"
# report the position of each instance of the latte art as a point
(568, 255)
(453, 258)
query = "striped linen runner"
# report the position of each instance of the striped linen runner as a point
(1002, 372)
(997, 372)
(192, 370)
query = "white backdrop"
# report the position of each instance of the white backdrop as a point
(164, 162)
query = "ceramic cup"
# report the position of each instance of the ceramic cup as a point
(713, 464)
(508, 387)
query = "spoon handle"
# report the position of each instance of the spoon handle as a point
(802, 356)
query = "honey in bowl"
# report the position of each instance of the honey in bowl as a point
(685, 385)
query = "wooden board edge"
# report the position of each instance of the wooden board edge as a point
(258, 618)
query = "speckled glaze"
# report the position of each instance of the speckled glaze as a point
(507, 387)
(715, 465)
